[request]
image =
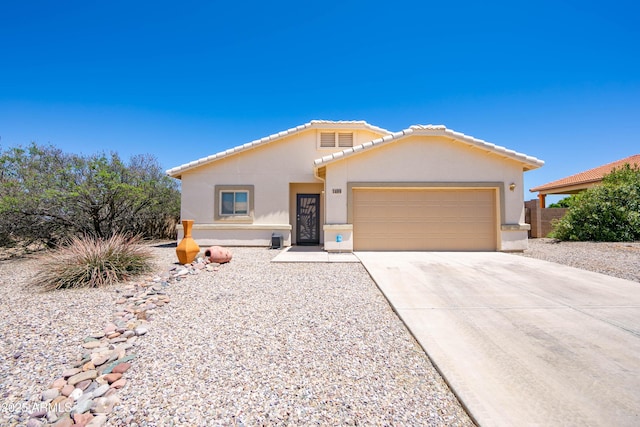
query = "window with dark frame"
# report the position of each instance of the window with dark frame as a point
(234, 202)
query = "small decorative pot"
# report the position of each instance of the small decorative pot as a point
(187, 249)
(218, 254)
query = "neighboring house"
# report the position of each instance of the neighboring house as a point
(349, 185)
(581, 181)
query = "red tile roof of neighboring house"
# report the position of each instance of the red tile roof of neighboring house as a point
(588, 177)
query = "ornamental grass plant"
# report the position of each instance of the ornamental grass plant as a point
(89, 262)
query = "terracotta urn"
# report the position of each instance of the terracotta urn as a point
(218, 254)
(187, 249)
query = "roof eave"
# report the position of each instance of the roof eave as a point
(546, 188)
(360, 147)
(528, 162)
(313, 124)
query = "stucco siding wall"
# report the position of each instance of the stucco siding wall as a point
(269, 168)
(363, 136)
(424, 159)
(270, 196)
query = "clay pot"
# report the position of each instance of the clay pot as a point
(187, 249)
(218, 254)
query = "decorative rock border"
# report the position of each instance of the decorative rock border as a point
(86, 393)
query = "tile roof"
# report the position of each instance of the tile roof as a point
(437, 130)
(588, 177)
(351, 124)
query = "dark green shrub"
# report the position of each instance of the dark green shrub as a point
(47, 196)
(92, 262)
(609, 212)
(563, 203)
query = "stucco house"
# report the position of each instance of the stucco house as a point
(349, 185)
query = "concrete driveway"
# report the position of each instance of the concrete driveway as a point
(521, 341)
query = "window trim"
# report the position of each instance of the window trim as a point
(243, 218)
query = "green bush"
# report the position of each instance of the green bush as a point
(563, 203)
(608, 213)
(92, 262)
(47, 196)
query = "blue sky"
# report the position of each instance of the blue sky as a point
(558, 80)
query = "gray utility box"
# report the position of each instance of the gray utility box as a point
(276, 241)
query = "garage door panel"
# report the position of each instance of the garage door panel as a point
(424, 219)
(414, 212)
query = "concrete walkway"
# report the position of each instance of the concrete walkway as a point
(521, 341)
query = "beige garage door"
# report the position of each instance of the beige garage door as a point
(424, 219)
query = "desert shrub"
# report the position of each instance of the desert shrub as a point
(609, 212)
(563, 203)
(47, 196)
(92, 262)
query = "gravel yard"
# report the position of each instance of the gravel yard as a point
(255, 343)
(39, 335)
(620, 259)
